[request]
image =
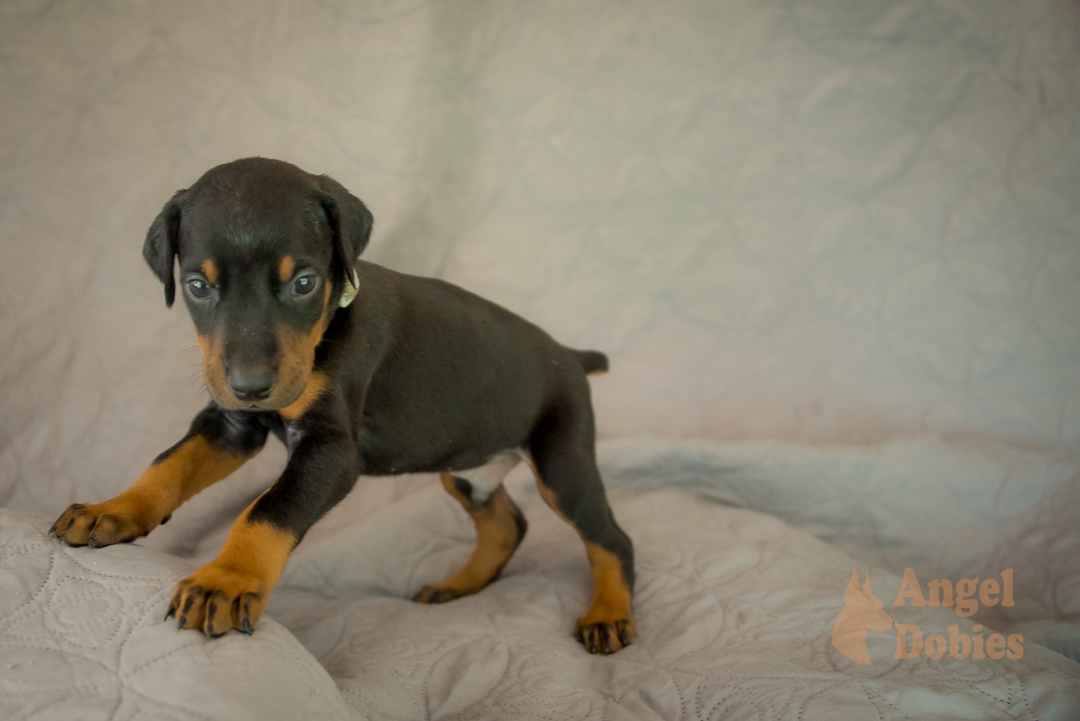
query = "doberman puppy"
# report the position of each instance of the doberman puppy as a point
(358, 370)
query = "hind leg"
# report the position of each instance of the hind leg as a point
(500, 526)
(564, 462)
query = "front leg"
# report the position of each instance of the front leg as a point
(217, 443)
(231, 591)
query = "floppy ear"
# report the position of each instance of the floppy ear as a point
(160, 247)
(350, 221)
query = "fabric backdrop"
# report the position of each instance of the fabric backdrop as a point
(830, 221)
(816, 221)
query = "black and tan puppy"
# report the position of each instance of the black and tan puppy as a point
(358, 370)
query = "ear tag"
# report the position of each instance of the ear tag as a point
(350, 291)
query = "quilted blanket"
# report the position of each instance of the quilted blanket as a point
(737, 610)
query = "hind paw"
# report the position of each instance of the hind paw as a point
(435, 594)
(602, 636)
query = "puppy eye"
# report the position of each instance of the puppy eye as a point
(199, 288)
(304, 285)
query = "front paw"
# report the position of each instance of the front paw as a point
(102, 524)
(216, 599)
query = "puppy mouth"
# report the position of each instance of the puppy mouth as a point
(268, 404)
(275, 402)
(278, 400)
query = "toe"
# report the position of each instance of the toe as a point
(191, 611)
(249, 611)
(218, 615)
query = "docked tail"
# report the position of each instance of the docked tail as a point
(592, 361)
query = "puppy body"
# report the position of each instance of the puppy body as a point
(359, 370)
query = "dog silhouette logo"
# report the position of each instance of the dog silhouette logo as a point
(861, 613)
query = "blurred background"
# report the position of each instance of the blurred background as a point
(822, 222)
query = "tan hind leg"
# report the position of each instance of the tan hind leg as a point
(563, 459)
(608, 624)
(499, 529)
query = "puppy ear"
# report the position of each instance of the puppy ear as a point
(160, 247)
(350, 221)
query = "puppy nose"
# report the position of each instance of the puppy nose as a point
(251, 384)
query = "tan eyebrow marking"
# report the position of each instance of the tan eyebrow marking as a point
(287, 268)
(210, 271)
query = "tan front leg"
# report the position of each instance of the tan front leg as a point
(150, 501)
(231, 591)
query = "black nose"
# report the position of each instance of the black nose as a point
(251, 384)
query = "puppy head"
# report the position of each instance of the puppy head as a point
(265, 254)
